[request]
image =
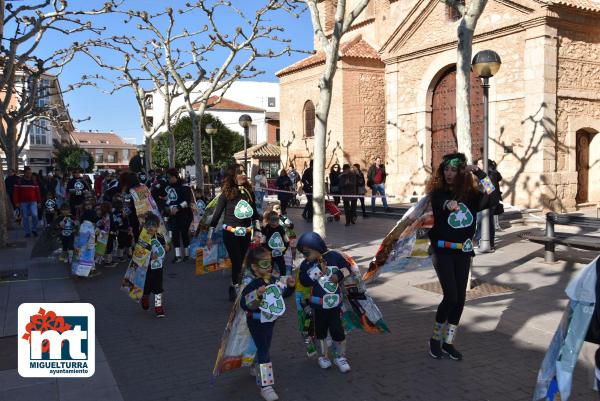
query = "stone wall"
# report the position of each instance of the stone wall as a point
(578, 108)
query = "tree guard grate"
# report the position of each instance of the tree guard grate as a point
(479, 289)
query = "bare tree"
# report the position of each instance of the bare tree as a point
(23, 27)
(469, 15)
(143, 71)
(330, 44)
(185, 52)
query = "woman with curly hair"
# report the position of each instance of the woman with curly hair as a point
(455, 200)
(238, 204)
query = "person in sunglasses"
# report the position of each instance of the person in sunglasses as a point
(323, 271)
(263, 301)
(238, 206)
(455, 201)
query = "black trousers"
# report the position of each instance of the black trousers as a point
(67, 242)
(329, 320)
(154, 281)
(349, 209)
(279, 262)
(307, 213)
(180, 228)
(124, 239)
(362, 205)
(262, 334)
(50, 217)
(236, 248)
(452, 268)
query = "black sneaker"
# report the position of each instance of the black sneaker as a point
(176, 259)
(435, 348)
(232, 293)
(449, 350)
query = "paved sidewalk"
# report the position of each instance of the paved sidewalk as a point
(41, 280)
(503, 337)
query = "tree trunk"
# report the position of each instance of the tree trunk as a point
(463, 89)
(322, 114)
(4, 217)
(10, 150)
(196, 118)
(148, 152)
(171, 149)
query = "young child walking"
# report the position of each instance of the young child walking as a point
(67, 233)
(158, 248)
(106, 237)
(324, 271)
(123, 231)
(50, 207)
(264, 293)
(275, 239)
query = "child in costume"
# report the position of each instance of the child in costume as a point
(50, 207)
(261, 293)
(123, 229)
(275, 238)
(106, 232)
(154, 278)
(323, 271)
(67, 235)
(286, 222)
(90, 215)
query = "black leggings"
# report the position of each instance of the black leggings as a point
(261, 333)
(362, 205)
(452, 269)
(349, 209)
(279, 262)
(236, 248)
(180, 227)
(154, 281)
(329, 320)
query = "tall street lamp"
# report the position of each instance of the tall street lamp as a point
(486, 64)
(211, 131)
(245, 121)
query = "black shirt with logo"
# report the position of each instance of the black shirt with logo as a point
(238, 212)
(76, 188)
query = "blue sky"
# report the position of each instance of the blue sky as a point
(119, 112)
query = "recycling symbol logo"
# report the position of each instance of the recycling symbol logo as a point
(159, 252)
(78, 185)
(243, 210)
(276, 242)
(171, 194)
(461, 218)
(331, 301)
(272, 301)
(325, 283)
(201, 207)
(467, 246)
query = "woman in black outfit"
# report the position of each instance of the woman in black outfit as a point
(455, 200)
(238, 203)
(178, 210)
(284, 183)
(334, 183)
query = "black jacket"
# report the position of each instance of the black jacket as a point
(242, 202)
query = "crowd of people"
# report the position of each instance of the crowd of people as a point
(257, 235)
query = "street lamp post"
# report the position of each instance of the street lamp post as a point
(210, 130)
(486, 64)
(245, 121)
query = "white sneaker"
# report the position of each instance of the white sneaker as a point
(268, 393)
(253, 370)
(324, 362)
(342, 364)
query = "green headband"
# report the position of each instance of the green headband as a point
(455, 162)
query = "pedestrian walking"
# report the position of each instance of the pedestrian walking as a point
(260, 188)
(77, 188)
(361, 188)
(307, 187)
(284, 183)
(334, 183)
(154, 277)
(27, 197)
(179, 212)
(348, 186)
(261, 324)
(238, 207)
(455, 200)
(376, 181)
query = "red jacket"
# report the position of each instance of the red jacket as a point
(98, 185)
(26, 191)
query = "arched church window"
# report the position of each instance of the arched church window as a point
(309, 119)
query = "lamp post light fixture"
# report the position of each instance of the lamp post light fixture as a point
(486, 64)
(245, 121)
(211, 131)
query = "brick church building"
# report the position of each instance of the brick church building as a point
(394, 96)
